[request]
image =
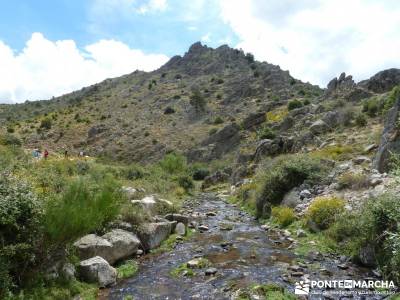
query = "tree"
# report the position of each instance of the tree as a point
(197, 100)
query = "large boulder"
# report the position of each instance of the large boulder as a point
(319, 127)
(92, 245)
(367, 256)
(390, 140)
(124, 244)
(153, 234)
(265, 147)
(178, 218)
(151, 204)
(113, 246)
(215, 178)
(97, 270)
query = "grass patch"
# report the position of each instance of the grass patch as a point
(59, 291)
(353, 180)
(335, 152)
(183, 268)
(128, 269)
(268, 291)
(282, 215)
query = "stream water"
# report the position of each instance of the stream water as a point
(243, 254)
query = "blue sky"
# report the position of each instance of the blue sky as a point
(48, 48)
(169, 31)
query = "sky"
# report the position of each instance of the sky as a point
(51, 47)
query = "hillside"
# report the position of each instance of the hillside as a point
(141, 116)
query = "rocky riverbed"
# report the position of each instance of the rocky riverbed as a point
(228, 253)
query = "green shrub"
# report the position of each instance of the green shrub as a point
(133, 172)
(371, 107)
(323, 211)
(10, 140)
(46, 124)
(186, 182)
(283, 215)
(84, 207)
(200, 173)
(20, 234)
(212, 131)
(218, 120)
(82, 167)
(266, 133)
(375, 224)
(198, 101)
(293, 104)
(173, 163)
(283, 174)
(306, 102)
(392, 98)
(361, 120)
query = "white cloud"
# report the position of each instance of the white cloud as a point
(153, 5)
(206, 38)
(45, 68)
(316, 40)
(116, 8)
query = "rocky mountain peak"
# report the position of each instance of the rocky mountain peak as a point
(197, 48)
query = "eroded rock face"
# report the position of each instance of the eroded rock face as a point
(345, 87)
(253, 120)
(153, 234)
(339, 84)
(390, 141)
(382, 81)
(97, 270)
(218, 144)
(268, 147)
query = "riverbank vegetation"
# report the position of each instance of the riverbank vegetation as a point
(47, 204)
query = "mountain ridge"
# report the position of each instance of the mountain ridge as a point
(142, 116)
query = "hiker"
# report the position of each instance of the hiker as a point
(46, 154)
(66, 154)
(35, 153)
(81, 153)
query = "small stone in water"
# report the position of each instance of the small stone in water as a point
(343, 266)
(211, 214)
(203, 228)
(211, 271)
